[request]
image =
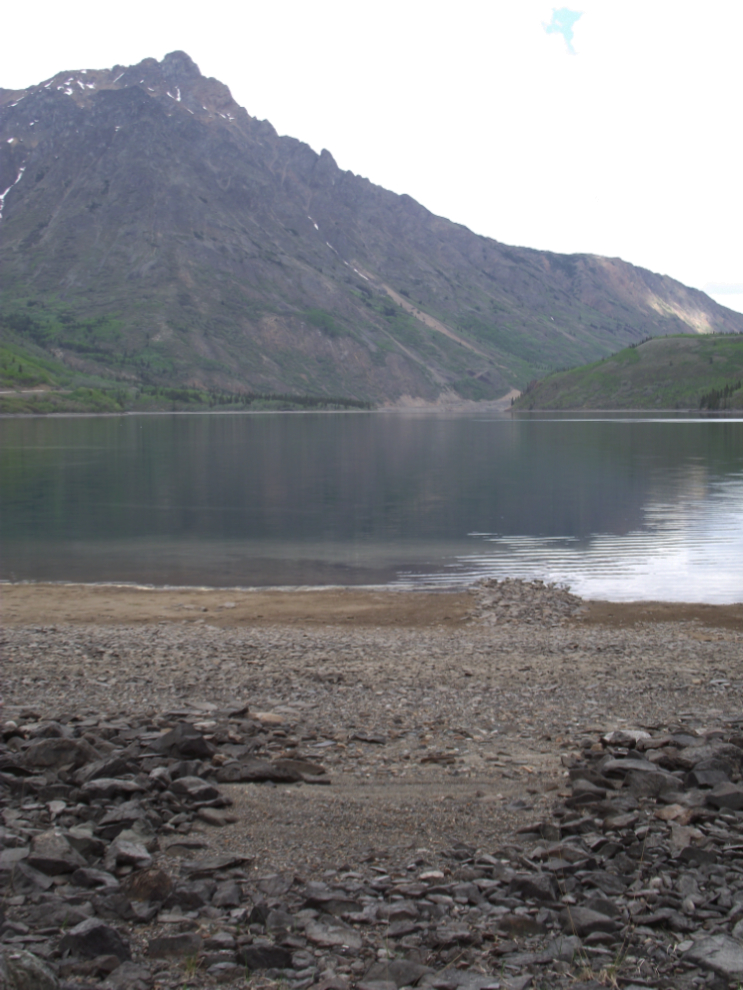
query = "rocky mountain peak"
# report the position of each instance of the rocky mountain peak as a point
(178, 66)
(212, 251)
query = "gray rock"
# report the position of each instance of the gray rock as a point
(195, 789)
(129, 976)
(220, 941)
(192, 895)
(123, 853)
(184, 741)
(81, 837)
(650, 783)
(726, 795)
(583, 921)
(227, 895)
(332, 936)
(719, 953)
(705, 778)
(151, 884)
(197, 869)
(21, 970)
(93, 938)
(563, 947)
(55, 911)
(58, 753)
(264, 957)
(537, 886)
(108, 787)
(174, 946)
(400, 972)
(257, 771)
(52, 854)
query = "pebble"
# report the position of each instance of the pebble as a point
(630, 862)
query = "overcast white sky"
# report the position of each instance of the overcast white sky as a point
(629, 146)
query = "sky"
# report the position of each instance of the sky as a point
(604, 127)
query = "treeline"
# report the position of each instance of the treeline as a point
(244, 400)
(719, 398)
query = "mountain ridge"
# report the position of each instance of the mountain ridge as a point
(152, 229)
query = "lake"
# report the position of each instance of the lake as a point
(616, 506)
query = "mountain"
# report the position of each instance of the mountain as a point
(153, 232)
(684, 372)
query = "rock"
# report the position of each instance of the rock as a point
(400, 972)
(213, 816)
(55, 911)
(184, 741)
(58, 753)
(650, 783)
(93, 938)
(95, 879)
(583, 921)
(726, 795)
(220, 941)
(195, 789)
(719, 953)
(51, 853)
(191, 896)
(174, 946)
(706, 778)
(258, 772)
(306, 768)
(625, 737)
(150, 884)
(335, 902)
(215, 864)
(227, 895)
(564, 947)
(81, 837)
(21, 970)
(123, 853)
(120, 817)
(538, 886)
(520, 925)
(108, 787)
(129, 976)
(264, 957)
(111, 767)
(332, 936)
(226, 972)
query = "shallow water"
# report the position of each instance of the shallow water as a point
(618, 507)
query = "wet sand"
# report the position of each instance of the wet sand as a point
(28, 604)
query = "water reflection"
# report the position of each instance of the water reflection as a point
(616, 507)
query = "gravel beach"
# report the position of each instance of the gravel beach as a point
(428, 740)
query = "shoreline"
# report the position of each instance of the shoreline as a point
(460, 739)
(124, 604)
(499, 406)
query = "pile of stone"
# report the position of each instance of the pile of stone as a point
(513, 601)
(636, 877)
(87, 806)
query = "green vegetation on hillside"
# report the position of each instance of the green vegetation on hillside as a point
(679, 372)
(31, 381)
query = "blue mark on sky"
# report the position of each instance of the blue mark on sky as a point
(562, 23)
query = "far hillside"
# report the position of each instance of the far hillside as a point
(678, 372)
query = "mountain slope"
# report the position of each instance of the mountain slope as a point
(152, 230)
(685, 372)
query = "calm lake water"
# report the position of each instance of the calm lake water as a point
(617, 507)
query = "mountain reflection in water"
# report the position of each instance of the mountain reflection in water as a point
(616, 507)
